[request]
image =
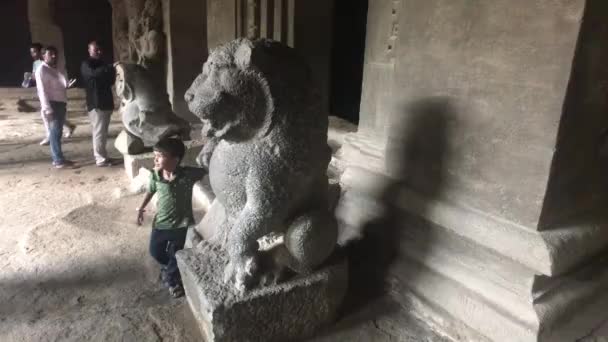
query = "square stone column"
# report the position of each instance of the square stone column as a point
(44, 29)
(303, 25)
(184, 25)
(479, 129)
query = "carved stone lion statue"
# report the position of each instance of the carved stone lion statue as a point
(267, 159)
(145, 107)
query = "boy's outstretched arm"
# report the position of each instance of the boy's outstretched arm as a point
(142, 208)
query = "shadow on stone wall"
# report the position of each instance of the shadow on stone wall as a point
(415, 160)
(417, 146)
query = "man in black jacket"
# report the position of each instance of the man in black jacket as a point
(98, 78)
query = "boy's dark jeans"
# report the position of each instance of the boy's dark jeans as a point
(163, 245)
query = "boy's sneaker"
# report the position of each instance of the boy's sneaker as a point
(176, 291)
(70, 131)
(44, 142)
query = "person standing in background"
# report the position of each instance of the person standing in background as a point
(98, 78)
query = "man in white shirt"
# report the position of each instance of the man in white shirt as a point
(36, 53)
(51, 86)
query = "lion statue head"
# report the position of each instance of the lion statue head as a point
(248, 88)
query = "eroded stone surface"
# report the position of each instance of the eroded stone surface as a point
(267, 158)
(291, 310)
(138, 36)
(127, 143)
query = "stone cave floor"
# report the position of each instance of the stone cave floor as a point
(73, 263)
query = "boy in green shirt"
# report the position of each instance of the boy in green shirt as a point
(173, 185)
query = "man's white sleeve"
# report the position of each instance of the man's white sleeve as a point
(41, 87)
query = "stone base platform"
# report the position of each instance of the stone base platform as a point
(289, 311)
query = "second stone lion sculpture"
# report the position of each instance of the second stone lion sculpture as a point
(267, 159)
(145, 107)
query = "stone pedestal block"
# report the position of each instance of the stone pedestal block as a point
(133, 162)
(286, 312)
(127, 143)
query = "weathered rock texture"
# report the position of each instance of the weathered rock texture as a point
(476, 147)
(145, 108)
(137, 27)
(267, 158)
(167, 37)
(127, 143)
(137, 30)
(295, 309)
